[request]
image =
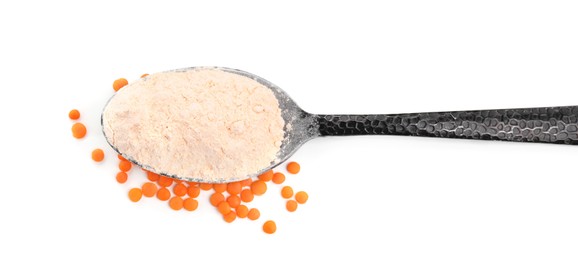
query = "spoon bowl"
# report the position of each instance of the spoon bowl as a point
(298, 129)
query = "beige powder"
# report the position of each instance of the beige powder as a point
(205, 124)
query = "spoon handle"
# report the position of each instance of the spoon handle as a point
(543, 125)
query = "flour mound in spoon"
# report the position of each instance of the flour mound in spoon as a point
(203, 124)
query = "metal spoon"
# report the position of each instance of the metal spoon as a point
(556, 125)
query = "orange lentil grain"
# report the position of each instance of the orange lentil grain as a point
(190, 204)
(234, 188)
(144, 75)
(149, 189)
(287, 192)
(247, 195)
(220, 187)
(206, 186)
(97, 155)
(253, 214)
(293, 167)
(301, 197)
(224, 208)
(176, 203)
(193, 191)
(266, 176)
(152, 176)
(74, 114)
(163, 194)
(234, 201)
(135, 194)
(125, 166)
(119, 83)
(121, 158)
(246, 182)
(78, 130)
(291, 205)
(269, 227)
(165, 181)
(230, 217)
(180, 190)
(242, 211)
(121, 177)
(216, 198)
(258, 187)
(278, 178)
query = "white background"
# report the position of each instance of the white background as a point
(370, 197)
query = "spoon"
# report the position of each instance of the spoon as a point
(556, 125)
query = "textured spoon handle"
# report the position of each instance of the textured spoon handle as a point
(543, 125)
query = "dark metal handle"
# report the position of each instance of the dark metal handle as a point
(544, 125)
